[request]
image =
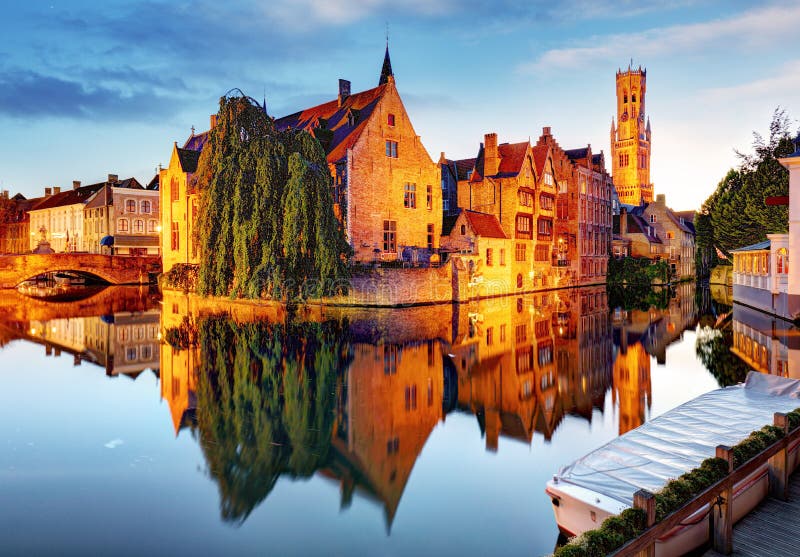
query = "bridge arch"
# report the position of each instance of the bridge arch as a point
(113, 269)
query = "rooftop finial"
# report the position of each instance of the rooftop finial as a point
(386, 70)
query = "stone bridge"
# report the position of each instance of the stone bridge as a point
(113, 269)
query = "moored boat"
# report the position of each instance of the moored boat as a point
(602, 483)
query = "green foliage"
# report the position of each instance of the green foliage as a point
(266, 223)
(713, 349)
(266, 404)
(705, 253)
(755, 443)
(736, 210)
(794, 419)
(183, 336)
(636, 271)
(641, 297)
(182, 276)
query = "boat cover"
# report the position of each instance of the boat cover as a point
(679, 440)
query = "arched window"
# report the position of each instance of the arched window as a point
(145, 207)
(138, 226)
(122, 225)
(130, 205)
(151, 226)
(625, 97)
(633, 97)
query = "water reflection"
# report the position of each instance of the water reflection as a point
(353, 396)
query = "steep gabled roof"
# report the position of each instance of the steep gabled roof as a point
(463, 167)
(637, 225)
(196, 142)
(512, 155)
(483, 224)
(188, 159)
(540, 153)
(331, 118)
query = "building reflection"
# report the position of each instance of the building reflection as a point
(766, 343)
(354, 396)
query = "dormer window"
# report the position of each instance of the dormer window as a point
(652, 218)
(390, 120)
(351, 119)
(469, 174)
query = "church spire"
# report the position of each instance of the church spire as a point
(386, 71)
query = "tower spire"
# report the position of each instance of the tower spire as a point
(386, 70)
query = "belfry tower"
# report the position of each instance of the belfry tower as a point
(630, 139)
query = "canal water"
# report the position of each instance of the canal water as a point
(135, 423)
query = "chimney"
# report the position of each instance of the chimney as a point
(213, 122)
(48, 192)
(5, 194)
(56, 190)
(546, 131)
(623, 221)
(76, 184)
(661, 199)
(491, 159)
(344, 91)
(113, 178)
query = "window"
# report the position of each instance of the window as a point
(783, 261)
(130, 206)
(463, 229)
(670, 235)
(519, 252)
(138, 226)
(633, 97)
(411, 397)
(390, 119)
(542, 252)
(652, 218)
(429, 197)
(430, 237)
(173, 189)
(488, 257)
(145, 206)
(391, 149)
(548, 179)
(151, 226)
(122, 225)
(489, 336)
(524, 226)
(503, 332)
(625, 97)
(176, 238)
(390, 357)
(525, 199)
(545, 228)
(389, 235)
(502, 256)
(130, 354)
(410, 196)
(546, 202)
(392, 446)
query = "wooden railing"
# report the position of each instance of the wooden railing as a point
(718, 495)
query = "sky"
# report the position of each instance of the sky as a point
(92, 88)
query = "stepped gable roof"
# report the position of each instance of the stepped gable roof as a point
(196, 142)
(188, 159)
(483, 224)
(69, 197)
(598, 158)
(333, 117)
(540, 152)
(765, 245)
(512, 155)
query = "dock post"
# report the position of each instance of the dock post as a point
(646, 501)
(779, 465)
(722, 516)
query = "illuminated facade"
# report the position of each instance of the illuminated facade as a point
(630, 139)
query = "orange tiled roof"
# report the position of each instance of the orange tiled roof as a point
(333, 117)
(512, 155)
(540, 153)
(484, 225)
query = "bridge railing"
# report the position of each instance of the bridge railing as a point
(719, 494)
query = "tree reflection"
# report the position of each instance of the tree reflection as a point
(265, 404)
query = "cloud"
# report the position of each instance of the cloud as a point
(756, 28)
(785, 83)
(31, 95)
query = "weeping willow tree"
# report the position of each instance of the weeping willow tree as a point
(266, 403)
(266, 226)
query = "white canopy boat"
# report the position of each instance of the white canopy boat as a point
(602, 483)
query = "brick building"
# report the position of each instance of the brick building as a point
(387, 189)
(630, 139)
(15, 231)
(676, 234)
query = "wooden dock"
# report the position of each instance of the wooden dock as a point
(773, 528)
